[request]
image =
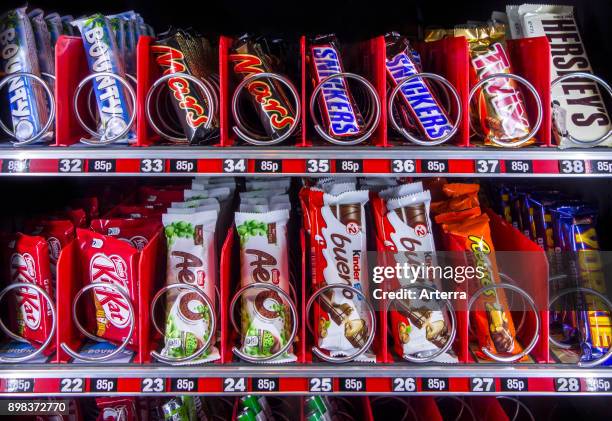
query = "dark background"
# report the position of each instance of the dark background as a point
(348, 18)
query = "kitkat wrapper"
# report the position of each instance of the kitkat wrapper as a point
(107, 260)
(29, 264)
(191, 260)
(339, 244)
(493, 326)
(264, 258)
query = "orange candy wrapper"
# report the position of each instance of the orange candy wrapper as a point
(470, 232)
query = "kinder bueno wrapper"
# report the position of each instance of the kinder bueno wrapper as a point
(136, 232)
(103, 55)
(578, 105)
(500, 105)
(117, 409)
(180, 51)
(29, 263)
(26, 101)
(419, 106)
(419, 328)
(107, 260)
(341, 115)
(191, 260)
(338, 239)
(265, 318)
(269, 97)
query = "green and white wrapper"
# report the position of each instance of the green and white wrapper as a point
(265, 317)
(191, 259)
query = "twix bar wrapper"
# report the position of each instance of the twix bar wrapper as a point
(493, 326)
(191, 260)
(338, 240)
(29, 263)
(418, 326)
(264, 258)
(501, 106)
(578, 105)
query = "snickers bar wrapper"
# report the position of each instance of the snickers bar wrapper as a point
(269, 97)
(191, 260)
(419, 328)
(24, 100)
(578, 105)
(182, 52)
(339, 239)
(341, 116)
(103, 55)
(493, 325)
(500, 105)
(418, 102)
(264, 258)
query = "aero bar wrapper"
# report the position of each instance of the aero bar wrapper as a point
(191, 259)
(265, 320)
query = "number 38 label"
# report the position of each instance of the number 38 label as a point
(572, 166)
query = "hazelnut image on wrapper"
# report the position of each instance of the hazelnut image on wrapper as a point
(323, 326)
(404, 332)
(355, 331)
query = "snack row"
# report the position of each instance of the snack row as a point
(508, 82)
(319, 408)
(281, 270)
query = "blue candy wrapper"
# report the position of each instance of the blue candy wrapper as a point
(103, 55)
(27, 105)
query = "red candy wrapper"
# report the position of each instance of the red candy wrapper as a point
(29, 263)
(107, 260)
(136, 232)
(58, 234)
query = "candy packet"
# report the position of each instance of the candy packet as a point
(265, 316)
(191, 260)
(338, 241)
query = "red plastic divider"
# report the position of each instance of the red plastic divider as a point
(531, 272)
(225, 99)
(449, 57)
(530, 58)
(147, 72)
(70, 68)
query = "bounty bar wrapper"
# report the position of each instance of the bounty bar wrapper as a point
(191, 260)
(264, 258)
